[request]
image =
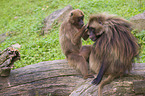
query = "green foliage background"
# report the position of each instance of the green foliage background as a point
(23, 19)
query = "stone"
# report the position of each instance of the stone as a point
(139, 21)
(3, 36)
(59, 15)
(16, 45)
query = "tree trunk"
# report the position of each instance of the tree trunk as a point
(57, 78)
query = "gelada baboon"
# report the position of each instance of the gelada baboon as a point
(71, 31)
(114, 48)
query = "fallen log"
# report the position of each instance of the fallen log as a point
(7, 59)
(56, 78)
(45, 78)
(139, 86)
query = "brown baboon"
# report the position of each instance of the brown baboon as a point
(114, 48)
(71, 31)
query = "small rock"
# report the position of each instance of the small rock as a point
(139, 21)
(3, 36)
(115, 89)
(16, 45)
(58, 15)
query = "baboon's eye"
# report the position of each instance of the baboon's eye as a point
(100, 22)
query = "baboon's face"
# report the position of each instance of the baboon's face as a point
(95, 29)
(77, 18)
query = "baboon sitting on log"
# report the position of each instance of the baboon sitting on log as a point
(114, 48)
(71, 31)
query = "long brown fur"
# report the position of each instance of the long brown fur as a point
(71, 31)
(114, 48)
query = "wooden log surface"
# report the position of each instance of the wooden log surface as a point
(7, 59)
(45, 78)
(129, 85)
(139, 87)
(53, 78)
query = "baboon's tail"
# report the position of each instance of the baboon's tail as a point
(99, 77)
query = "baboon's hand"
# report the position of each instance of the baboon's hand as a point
(84, 28)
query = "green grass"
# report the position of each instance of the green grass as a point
(23, 20)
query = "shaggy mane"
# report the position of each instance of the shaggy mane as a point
(116, 40)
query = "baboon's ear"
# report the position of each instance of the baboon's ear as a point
(71, 14)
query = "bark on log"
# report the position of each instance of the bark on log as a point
(56, 78)
(139, 87)
(7, 59)
(45, 78)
